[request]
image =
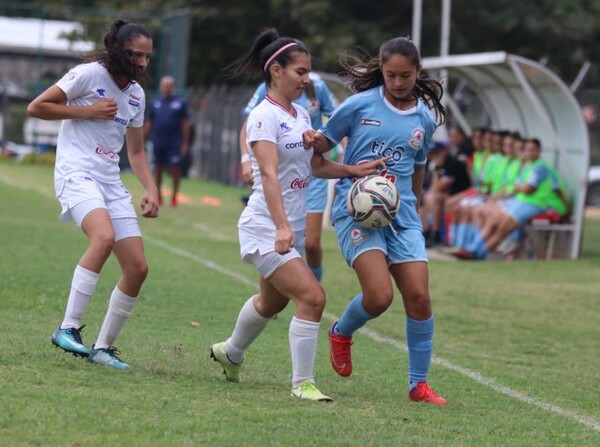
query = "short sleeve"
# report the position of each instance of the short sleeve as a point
(77, 81)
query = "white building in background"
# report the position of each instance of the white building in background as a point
(34, 49)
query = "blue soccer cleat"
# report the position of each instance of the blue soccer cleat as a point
(69, 340)
(107, 357)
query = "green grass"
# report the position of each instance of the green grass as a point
(516, 343)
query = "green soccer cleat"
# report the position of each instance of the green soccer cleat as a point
(107, 357)
(69, 340)
(308, 391)
(218, 352)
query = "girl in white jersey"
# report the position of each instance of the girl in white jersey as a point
(102, 105)
(272, 226)
(395, 113)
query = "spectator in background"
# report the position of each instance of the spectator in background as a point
(100, 104)
(168, 127)
(319, 102)
(461, 145)
(449, 176)
(537, 189)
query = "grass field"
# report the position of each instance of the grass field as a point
(517, 344)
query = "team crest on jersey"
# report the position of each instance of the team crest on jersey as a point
(101, 92)
(284, 126)
(357, 236)
(369, 122)
(416, 138)
(258, 125)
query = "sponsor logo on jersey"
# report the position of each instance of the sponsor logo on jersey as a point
(369, 122)
(122, 121)
(300, 183)
(258, 125)
(357, 236)
(134, 103)
(296, 145)
(108, 154)
(284, 126)
(380, 149)
(416, 138)
(101, 92)
(71, 76)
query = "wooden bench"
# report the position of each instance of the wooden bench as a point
(544, 229)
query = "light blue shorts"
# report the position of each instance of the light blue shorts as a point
(316, 197)
(521, 212)
(399, 245)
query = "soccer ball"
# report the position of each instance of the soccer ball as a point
(373, 201)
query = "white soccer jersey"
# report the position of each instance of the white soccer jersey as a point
(271, 122)
(93, 146)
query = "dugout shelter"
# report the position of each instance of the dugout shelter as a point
(522, 95)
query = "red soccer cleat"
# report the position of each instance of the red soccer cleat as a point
(340, 353)
(464, 255)
(423, 393)
(174, 202)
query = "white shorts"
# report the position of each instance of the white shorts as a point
(81, 194)
(257, 247)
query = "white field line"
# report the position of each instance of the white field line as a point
(475, 376)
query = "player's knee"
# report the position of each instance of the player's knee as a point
(103, 243)
(136, 271)
(314, 299)
(419, 304)
(312, 246)
(378, 302)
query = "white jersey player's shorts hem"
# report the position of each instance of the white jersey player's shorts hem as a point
(257, 247)
(81, 194)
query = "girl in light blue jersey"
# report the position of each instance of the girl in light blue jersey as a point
(394, 113)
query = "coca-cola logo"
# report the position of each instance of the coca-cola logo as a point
(110, 154)
(300, 183)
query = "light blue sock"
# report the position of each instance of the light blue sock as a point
(452, 234)
(419, 338)
(459, 234)
(477, 245)
(317, 271)
(354, 317)
(471, 233)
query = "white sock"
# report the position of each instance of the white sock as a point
(303, 345)
(120, 307)
(248, 327)
(83, 286)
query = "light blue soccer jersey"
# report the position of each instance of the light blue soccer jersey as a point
(375, 129)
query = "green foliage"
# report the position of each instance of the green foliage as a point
(563, 33)
(516, 343)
